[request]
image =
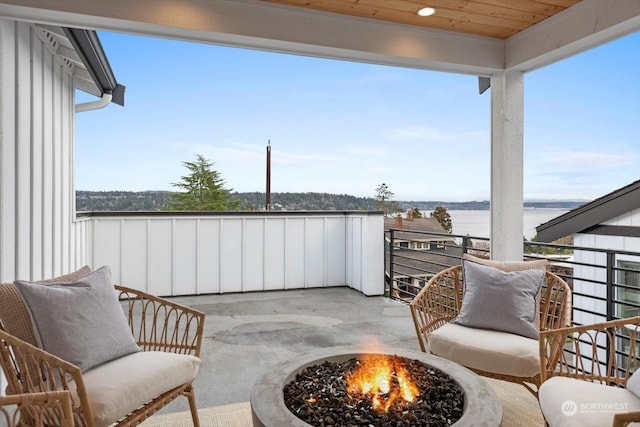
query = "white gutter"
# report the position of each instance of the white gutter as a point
(94, 105)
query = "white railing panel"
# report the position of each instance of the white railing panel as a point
(354, 254)
(134, 252)
(187, 255)
(208, 258)
(231, 255)
(107, 247)
(372, 256)
(253, 248)
(315, 240)
(159, 264)
(274, 257)
(295, 254)
(335, 251)
(81, 238)
(185, 238)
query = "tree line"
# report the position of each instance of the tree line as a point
(247, 201)
(203, 189)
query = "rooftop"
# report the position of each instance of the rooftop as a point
(247, 333)
(590, 216)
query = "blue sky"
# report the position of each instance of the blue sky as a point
(342, 127)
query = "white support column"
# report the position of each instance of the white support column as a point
(507, 112)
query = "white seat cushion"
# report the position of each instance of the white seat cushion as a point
(122, 385)
(487, 350)
(567, 402)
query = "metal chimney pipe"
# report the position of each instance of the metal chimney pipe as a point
(268, 204)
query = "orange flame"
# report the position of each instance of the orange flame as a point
(382, 378)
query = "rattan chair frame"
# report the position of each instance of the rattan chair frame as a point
(51, 408)
(440, 301)
(585, 343)
(156, 324)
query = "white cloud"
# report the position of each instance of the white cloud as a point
(373, 151)
(376, 79)
(380, 170)
(581, 160)
(425, 133)
(298, 159)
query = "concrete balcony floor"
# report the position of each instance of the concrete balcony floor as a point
(246, 333)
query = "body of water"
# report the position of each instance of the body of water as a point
(477, 223)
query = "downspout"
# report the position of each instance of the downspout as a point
(94, 105)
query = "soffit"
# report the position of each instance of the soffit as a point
(490, 18)
(84, 57)
(58, 43)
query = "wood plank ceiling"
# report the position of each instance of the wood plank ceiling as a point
(491, 18)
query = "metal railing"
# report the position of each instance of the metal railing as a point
(605, 282)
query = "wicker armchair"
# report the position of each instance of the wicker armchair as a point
(591, 372)
(440, 301)
(45, 409)
(157, 325)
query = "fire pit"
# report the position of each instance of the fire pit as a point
(480, 404)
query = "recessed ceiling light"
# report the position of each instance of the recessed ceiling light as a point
(426, 11)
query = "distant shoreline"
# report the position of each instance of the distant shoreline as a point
(157, 200)
(485, 205)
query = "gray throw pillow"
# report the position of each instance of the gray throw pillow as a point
(498, 300)
(82, 321)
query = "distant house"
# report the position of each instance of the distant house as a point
(609, 222)
(418, 252)
(409, 240)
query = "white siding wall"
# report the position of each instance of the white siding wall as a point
(38, 236)
(217, 254)
(620, 243)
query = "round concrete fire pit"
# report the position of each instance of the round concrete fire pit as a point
(481, 406)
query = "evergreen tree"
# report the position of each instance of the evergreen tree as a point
(383, 194)
(416, 213)
(203, 189)
(442, 216)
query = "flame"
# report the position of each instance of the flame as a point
(382, 378)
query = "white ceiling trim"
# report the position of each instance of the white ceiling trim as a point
(259, 25)
(584, 26)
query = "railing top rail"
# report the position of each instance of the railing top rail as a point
(436, 233)
(527, 243)
(584, 248)
(107, 214)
